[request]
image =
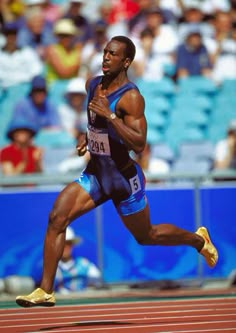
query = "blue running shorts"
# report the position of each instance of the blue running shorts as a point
(133, 203)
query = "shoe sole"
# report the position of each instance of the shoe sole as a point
(206, 233)
(27, 304)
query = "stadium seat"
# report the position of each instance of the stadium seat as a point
(188, 115)
(162, 103)
(203, 102)
(228, 87)
(185, 165)
(202, 149)
(53, 138)
(165, 86)
(216, 131)
(163, 150)
(153, 135)
(52, 156)
(155, 119)
(196, 84)
(57, 91)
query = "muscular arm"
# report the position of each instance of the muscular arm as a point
(132, 127)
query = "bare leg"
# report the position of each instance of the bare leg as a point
(162, 234)
(71, 203)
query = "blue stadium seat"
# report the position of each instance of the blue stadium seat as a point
(196, 84)
(161, 103)
(203, 102)
(52, 156)
(57, 91)
(217, 131)
(188, 115)
(153, 135)
(53, 138)
(180, 132)
(228, 87)
(201, 149)
(163, 150)
(164, 86)
(185, 165)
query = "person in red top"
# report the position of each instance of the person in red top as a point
(20, 156)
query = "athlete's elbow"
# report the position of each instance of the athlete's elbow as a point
(139, 148)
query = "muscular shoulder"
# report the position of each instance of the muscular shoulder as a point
(132, 101)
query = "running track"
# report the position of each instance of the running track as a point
(209, 314)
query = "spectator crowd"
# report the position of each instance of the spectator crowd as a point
(52, 47)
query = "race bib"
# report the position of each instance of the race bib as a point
(135, 184)
(98, 142)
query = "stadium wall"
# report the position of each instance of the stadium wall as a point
(24, 215)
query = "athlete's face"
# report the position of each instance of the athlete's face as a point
(114, 58)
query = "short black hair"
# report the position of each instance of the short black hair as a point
(130, 49)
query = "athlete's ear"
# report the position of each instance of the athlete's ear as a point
(127, 63)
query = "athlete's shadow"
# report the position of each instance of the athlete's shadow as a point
(86, 324)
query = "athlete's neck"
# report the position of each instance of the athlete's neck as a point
(112, 82)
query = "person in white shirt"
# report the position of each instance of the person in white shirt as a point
(75, 273)
(74, 120)
(17, 65)
(225, 150)
(73, 112)
(155, 47)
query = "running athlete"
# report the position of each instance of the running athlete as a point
(116, 125)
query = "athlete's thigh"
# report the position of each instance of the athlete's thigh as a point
(72, 202)
(138, 224)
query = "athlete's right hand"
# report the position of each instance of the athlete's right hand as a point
(81, 145)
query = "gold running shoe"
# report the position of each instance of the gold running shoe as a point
(208, 251)
(37, 298)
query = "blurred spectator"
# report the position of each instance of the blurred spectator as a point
(12, 11)
(63, 59)
(92, 51)
(17, 64)
(155, 47)
(138, 22)
(36, 107)
(74, 14)
(193, 18)
(123, 10)
(151, 164)
(73, 112)
(192, 57)
(36, 31)
(225, 150)
(75, 273)
(51, 11)
(210, 7)
(74, 120)
(21, 155)
(233, 11)
(149, 65)
(222, 47)
(165, 37)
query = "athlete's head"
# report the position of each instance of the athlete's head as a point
(118, 55)
(130, 48)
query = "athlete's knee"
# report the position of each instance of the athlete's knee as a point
(147, 238)
(57, 220)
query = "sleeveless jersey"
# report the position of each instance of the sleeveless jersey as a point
(110, 144)
(109, 155)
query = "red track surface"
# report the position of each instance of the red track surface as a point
(183, 316)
